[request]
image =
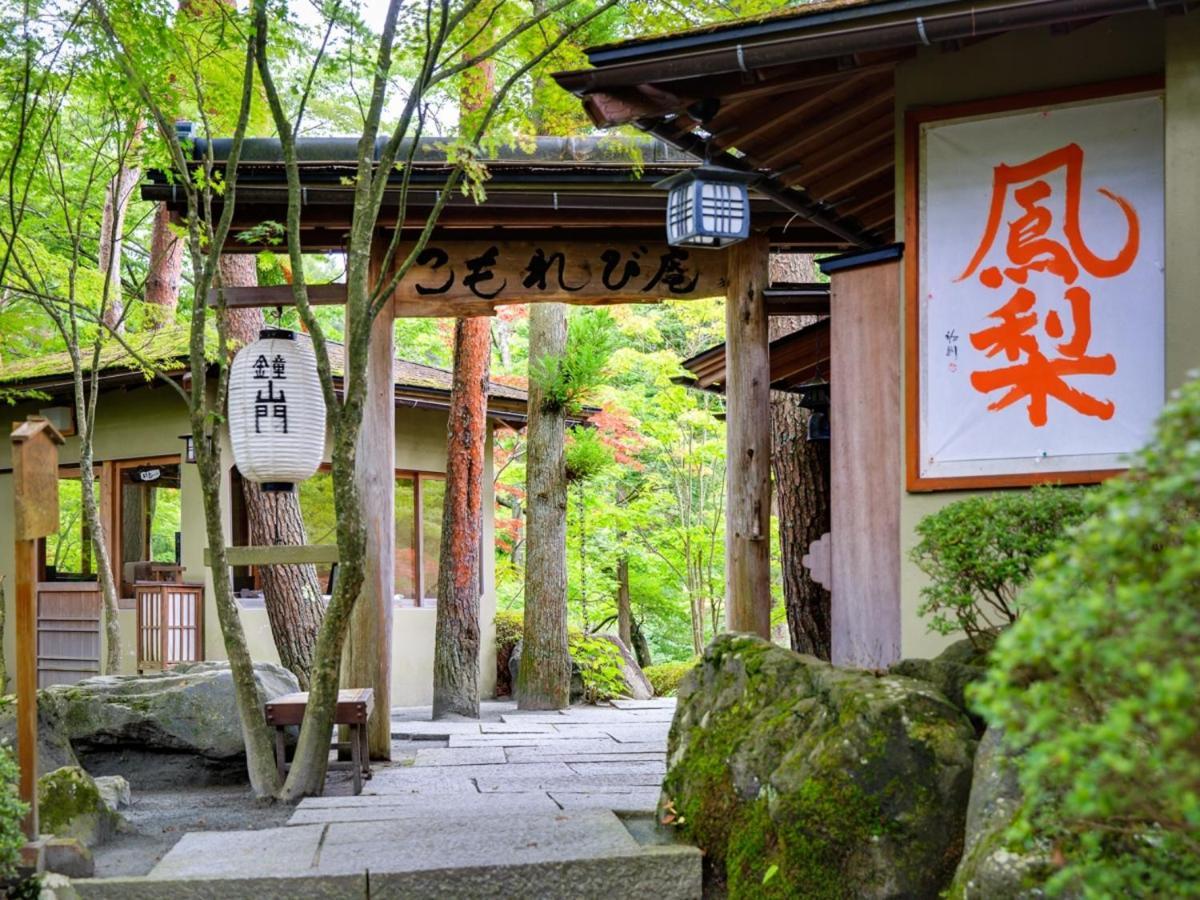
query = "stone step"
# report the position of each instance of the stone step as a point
(577, 853)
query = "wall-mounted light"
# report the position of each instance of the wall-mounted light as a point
(61, 417)
(815, 398)
(189, 448)
(708, 206)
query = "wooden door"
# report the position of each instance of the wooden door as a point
(68, 632)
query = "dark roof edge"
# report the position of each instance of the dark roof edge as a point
(856, 259)
(759, 48)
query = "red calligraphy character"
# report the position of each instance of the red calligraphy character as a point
(1030, 247)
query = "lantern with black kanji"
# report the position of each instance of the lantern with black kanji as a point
(708, 206)
(276, 410)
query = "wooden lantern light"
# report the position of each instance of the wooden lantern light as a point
(708, 206)
(276, 410)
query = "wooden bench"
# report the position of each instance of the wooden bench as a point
(353, 710)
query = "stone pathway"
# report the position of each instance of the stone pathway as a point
(520, 804)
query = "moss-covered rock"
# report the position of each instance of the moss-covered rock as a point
(190, 709)
(70, 805)
(990, 868)
(961, 664)
(803, 779)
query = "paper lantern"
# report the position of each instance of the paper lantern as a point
(708, 206)
(276, 410)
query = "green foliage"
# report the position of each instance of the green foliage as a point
(510, 625)
(980, 552)
(12, 811)
(586, 455)
(600, 666)
(1097, 682)
(665, 677)
(568, 381)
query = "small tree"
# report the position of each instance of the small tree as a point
(1097, 682)
(980, 552)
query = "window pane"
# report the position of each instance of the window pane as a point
(433, 495)
(320, 520)
(406, 543)
(69, 551)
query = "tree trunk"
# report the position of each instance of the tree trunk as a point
(624, 613)
(112, 233)
(456, 644)
(166, 267)
(802, 489)
(544, 679)
(291, 594)
(641, 647)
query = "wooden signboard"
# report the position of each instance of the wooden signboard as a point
(472, 278)
(35, 506)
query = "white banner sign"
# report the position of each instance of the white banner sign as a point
(1041, 288)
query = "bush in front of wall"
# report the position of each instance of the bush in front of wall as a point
(1095, 686)
(979, 553)
(510, 625)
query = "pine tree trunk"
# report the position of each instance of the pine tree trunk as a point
(291, 594)
(801, 469)
(456, 644)
(544, 679)
(166, 267)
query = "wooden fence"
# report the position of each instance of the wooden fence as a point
(68, 632)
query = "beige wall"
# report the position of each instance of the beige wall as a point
(1118, 47)
(147, 421)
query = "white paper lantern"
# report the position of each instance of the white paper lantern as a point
(276, 410)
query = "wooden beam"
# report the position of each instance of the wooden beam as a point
(368, 654)
(268, 296)
(279, 555)
(748, 441)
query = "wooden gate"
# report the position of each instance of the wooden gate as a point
(68, 632)
(170, 624)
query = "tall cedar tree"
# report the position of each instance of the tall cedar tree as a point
(544, 678)
(456, 640)
(801, 487)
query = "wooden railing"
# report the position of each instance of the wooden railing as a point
(170, 624)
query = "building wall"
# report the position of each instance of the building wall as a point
(1118, 47)
(146, 421)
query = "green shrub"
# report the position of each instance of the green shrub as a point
(600, 666)
(979, 553)
(567, 381)
(1097, 682)
(510, 624)
(665, 677)
(586, 456)
(12, 811)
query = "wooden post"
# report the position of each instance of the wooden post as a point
(368, 654)
(748, 440)
(35, 506)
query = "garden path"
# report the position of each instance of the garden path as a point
(514, 804)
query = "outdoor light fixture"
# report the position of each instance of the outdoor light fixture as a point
(708, 206)
(815, 398)
(189, 448)
(276, 410)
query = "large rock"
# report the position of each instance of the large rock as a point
(638, 686)
(71, 806)
(806, 780)
(54, 750)
(989, 869)
(952, 671)
(190, 709)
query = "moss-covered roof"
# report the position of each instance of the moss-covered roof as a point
(168, 350)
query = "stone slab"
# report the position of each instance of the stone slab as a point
(656, 703)
(621, 767)
(577, 784)
(426, 808)
(639, 800)
(458, 756)
(268, 852)
(330, 887)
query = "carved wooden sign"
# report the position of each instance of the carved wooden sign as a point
(35, 478)
(474, 277)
